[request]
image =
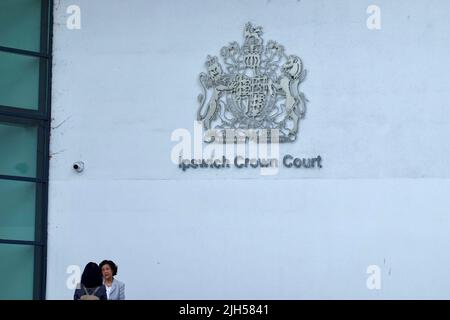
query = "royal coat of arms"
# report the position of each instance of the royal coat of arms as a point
(257, 90)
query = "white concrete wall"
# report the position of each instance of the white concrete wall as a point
(378, 115)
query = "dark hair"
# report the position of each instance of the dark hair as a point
(111, 264)
(92, 276)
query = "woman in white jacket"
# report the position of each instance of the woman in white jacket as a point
(115, 289)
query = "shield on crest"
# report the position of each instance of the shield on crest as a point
(250, 93)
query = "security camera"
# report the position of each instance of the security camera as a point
(78, 166)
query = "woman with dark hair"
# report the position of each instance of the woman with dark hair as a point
(115, 290)
(91, 287)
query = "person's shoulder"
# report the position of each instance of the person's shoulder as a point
(119, 283)
(78, 292)
(101, 289)
(101, 293)
(78, 288)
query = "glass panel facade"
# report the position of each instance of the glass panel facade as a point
(19, 81)
(16, 268)
(18, 149)
(20, 24)
(17, 210)
(25, 29)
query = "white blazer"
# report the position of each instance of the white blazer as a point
(117, 290)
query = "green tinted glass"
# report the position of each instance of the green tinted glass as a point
(18, 150)
(19, 81)
(17, 210)
(16, 269)
(20, 22)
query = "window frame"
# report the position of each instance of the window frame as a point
(40, 118)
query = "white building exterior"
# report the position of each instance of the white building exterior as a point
(378, 115)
